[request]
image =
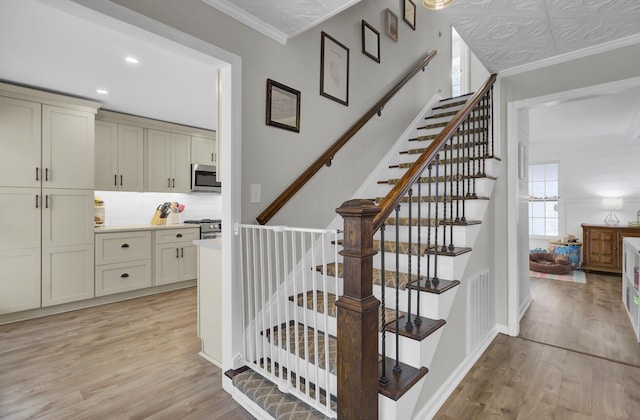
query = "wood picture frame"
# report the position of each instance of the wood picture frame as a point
(334, 69)
(370, 41)
(391, 20)
(409, 13)
(283, 106)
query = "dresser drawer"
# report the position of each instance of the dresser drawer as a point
(122, 247)
(122, 277)
(177, 235)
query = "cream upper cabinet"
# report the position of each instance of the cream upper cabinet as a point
(119, 157)
(204, 151)
(20, 142)
(68, 147)
(167, 165)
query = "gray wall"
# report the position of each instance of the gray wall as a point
(273, 157)
(619, 64)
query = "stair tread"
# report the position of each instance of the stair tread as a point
(432, 199)
(424, 222)
(267, 395)
(291, 329)
(456, 146)
(390, 314)
(442, 178)
(419, 331)
(444, 123)
(399, 383)
(446, 161)
(390, 279)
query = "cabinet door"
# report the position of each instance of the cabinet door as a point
(180, 163)
(20, 210)
(20, 142)
(603, 248)
(167, 263)
(203, 151)
(20, 280)
(130, 158)
(67, 217)
(106, 160)
(68, 148)
(67, 274)
(188, 262)
(158, 172)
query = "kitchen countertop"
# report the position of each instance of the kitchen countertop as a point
(129, 228)
(210, 243)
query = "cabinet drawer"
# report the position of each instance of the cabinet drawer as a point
(117, 278)
(177, 235)
(122, 247)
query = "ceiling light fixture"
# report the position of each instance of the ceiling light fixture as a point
(437, 4)
(131, 60)
(102, 91)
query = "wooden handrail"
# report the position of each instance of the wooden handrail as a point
(328, 155)
(400, 189)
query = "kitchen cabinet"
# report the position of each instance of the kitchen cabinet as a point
(119, 157)
(209, 300)
(602, 246)
(123, 262)
(46, 198)
(168, 167)
(204, 150)
(175, 255)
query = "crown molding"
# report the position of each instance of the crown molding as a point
(573, 55)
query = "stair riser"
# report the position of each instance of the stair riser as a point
(491, 166)
(463, 236)
(450, 268)
(432, 305)
(389, 409)
(413, 352)
(473, 209)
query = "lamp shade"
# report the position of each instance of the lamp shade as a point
(612, 204)
(437, 4)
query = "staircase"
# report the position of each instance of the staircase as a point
(291, 350)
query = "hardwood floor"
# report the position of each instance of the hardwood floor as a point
(135, 359)
(548, 371)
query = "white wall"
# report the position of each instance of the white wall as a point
(273, 157)
(581, 72)
(129, 208)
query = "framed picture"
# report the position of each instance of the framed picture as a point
(370, 42)
(334, 70)
(392, 24)
(409, 13)
(283, 106)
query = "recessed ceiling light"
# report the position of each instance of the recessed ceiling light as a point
(131, 60)
(102, 91)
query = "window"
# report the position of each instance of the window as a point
(543, 199)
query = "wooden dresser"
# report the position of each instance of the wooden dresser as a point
(602, 246)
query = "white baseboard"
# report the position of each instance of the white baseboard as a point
(524, 306)
(211, 360)
(443, 393)
(502, 329)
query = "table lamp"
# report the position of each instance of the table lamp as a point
(611, 204)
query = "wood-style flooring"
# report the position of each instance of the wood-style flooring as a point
(130, 360)
(139, 359)
(548, 372)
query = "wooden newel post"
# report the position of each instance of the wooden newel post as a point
(358, 316)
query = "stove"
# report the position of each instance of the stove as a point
(209, 228)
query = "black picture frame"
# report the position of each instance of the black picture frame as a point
(370, 41)
(283, 106)
(409, 13)
(334, 69)
(391, 20)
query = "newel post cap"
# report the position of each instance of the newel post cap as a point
(358, 207)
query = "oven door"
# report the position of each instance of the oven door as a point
(204, 178)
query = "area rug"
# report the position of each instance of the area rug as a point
(575, 276)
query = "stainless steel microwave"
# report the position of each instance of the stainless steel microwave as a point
(204, 178)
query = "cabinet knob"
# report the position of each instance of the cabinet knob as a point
(179, 235)
(124, 275)
(124, 246)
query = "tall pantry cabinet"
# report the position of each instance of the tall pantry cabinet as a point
(46, 198)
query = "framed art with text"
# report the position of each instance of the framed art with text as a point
(283, 106)
(334, 70)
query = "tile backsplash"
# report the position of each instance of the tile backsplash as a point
(134, 208)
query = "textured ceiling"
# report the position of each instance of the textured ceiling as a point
(281, 19)
(507, 33)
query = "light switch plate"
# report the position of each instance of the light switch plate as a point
(255, 193)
